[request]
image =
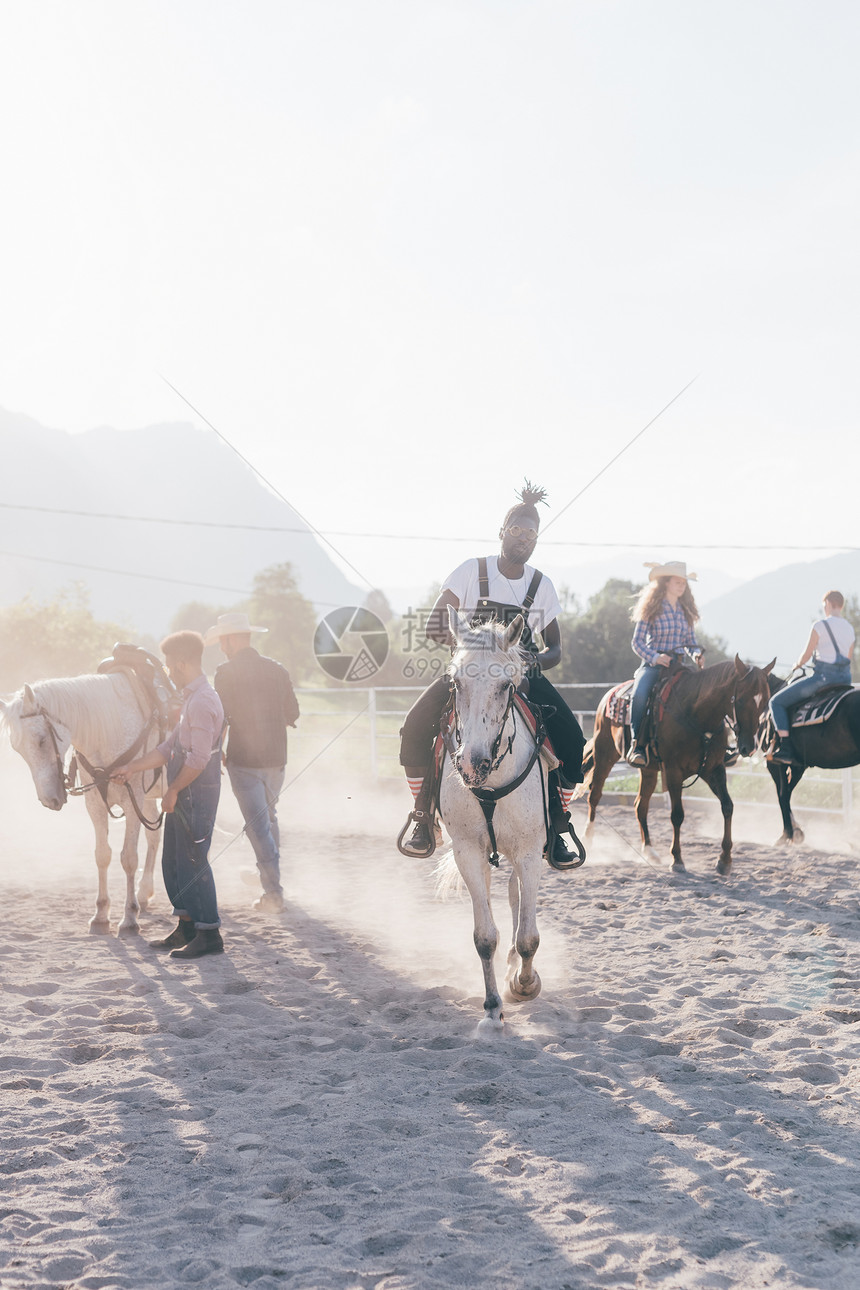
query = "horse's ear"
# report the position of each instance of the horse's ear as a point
(514, 632)
(740, 667)
(29, 704)
(457, 624)
(767, 670)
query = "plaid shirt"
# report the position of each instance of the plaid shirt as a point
(670, 633)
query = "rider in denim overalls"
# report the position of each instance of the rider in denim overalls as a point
(831, 641)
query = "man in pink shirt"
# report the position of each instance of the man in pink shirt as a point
(192, 755)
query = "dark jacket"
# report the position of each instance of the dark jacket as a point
(259, 704)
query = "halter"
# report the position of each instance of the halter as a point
(496, 758)
(99, 775)
(488, 797)
(65, 783)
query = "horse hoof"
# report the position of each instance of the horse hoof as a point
(724, 867)
(519, 993)
(128, 929)
(100, 928)
(678, 866)
(649, 854)
(489, 1027)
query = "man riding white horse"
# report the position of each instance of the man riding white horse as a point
(499, 587)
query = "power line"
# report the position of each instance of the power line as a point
(421, 537)
(621, 453)
(260, 475)
(149, 577)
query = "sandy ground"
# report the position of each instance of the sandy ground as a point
(679, 1108)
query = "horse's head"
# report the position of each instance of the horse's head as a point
(485, 670)
(752, 691)
(42, 741)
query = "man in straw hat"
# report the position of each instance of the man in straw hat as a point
(259, 704)
(665, 615)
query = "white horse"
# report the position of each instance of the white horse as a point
(494, 749)
(103, 717)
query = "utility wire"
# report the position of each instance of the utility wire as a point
(422, 537)
(621, 453)
(150, 577)
(261, 476)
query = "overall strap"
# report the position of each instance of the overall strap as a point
(483, 579)
(532, 591)
(840, 657)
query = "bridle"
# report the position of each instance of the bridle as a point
(496, 758)
(488, 797)
(64, 780)
(99, 775)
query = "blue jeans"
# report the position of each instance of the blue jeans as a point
(645, 677)
(256, 789)
(825, 674)
(185, 864)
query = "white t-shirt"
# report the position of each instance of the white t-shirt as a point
(842, 630)
(505, 591)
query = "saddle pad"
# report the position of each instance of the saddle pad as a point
(819, 707)
(618, 704)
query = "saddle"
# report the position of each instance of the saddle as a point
(814, 711)
(619, 701)
(158, 688)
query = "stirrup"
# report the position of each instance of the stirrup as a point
(576, 859)
(416, 818)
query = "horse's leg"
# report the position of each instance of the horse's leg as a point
(522, 893)
(647, 784)
(717, 783)
(128, 859)
(146, 886)
(605, 756)
(785, 786)
(475, 870)
(97, 811)
(674, 785)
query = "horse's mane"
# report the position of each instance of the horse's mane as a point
(90, 707)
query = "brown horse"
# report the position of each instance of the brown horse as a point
(691, 740)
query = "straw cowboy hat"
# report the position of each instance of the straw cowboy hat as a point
(674, 569)
(234, 624)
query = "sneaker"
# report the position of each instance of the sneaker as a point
(269, 903)
(207, 941)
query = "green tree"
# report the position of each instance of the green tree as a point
(58, 637)
(596, 643)
(277, 603)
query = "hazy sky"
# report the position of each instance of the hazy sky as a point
(405, 253)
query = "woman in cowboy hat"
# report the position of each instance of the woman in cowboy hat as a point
(665, 615)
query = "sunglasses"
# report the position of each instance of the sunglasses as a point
(516, 530)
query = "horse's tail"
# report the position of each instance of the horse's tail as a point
(587, 770)
(447, 877)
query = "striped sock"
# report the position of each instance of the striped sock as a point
(565, 794)
(415, 785)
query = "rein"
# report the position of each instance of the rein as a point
(488, 797)
(99, 775)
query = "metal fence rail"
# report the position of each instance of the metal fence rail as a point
(362, 724)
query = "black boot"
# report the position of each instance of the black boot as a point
(207, 941)
(183, 932)
(426, 835)
(559, 857)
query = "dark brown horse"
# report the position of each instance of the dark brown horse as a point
(833, 744)
(691, 738)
